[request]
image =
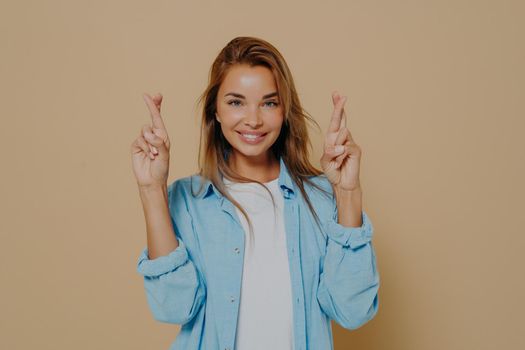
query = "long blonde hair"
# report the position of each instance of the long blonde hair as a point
(293, 142)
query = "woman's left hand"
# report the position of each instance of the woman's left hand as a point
(341, 156)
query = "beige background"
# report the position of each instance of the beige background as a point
(436, 92)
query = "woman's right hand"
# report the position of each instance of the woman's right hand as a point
(150, 151)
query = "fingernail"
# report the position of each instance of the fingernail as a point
(155, 150)
(339, 148)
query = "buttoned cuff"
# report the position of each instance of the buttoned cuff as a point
(162, 264)
(353, 237)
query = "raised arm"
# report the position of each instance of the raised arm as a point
(349, 281)
(150, 160)
(174, 287)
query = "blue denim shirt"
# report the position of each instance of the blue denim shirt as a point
(333, 270)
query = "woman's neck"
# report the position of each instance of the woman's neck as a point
(263, 169)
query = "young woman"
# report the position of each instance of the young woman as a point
(259, 250)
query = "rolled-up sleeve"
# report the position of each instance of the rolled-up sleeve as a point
(349, 280)
(175, 289)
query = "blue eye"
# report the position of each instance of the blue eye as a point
(231, 103)
(275, 104)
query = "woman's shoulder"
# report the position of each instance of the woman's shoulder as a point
(184, 180)
(186, 186)
(319, 183)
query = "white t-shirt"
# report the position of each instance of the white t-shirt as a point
(265, 310)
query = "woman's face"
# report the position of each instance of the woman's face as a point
(249, 111)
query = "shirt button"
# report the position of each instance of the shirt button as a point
(236, 250)
(297, 300)
(232, 299)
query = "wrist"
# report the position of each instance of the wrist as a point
(153, 189)
(339, 192)
(349, 207)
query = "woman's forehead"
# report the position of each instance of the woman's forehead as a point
(250, 82)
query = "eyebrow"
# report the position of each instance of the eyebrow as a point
(272, 94)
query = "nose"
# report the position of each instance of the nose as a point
(253, 119)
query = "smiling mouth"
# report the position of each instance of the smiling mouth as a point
(250, 138)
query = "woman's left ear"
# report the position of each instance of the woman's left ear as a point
(217, 117)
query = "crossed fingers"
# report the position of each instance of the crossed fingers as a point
(338, 123)
(154, 110)
(155, 134)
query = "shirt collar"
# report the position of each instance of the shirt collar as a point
(285, 183)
